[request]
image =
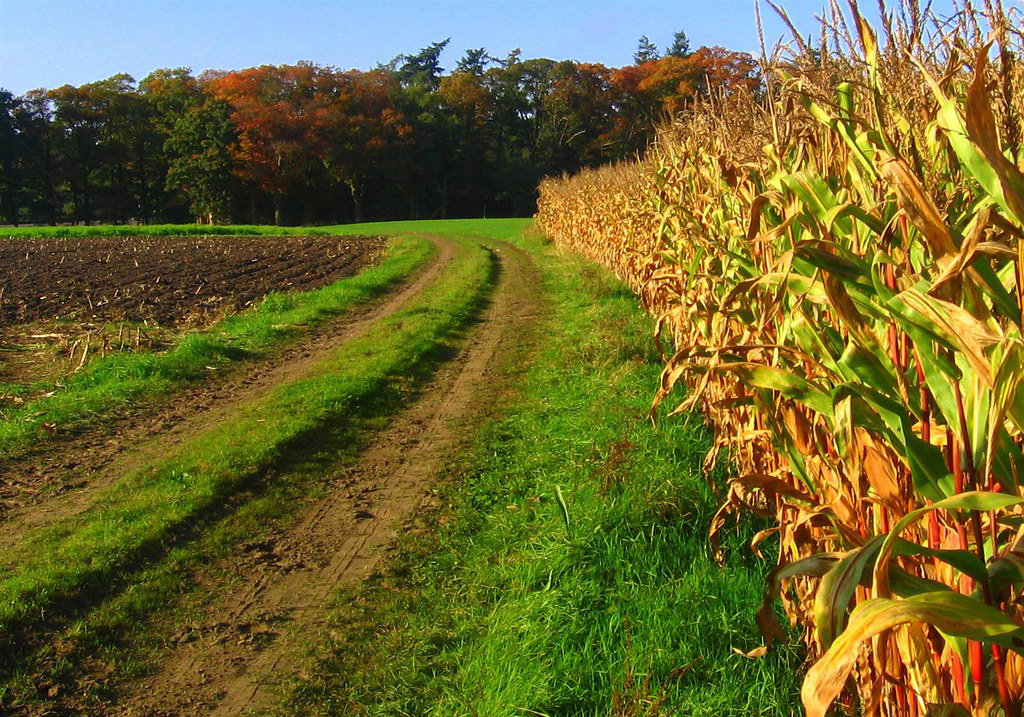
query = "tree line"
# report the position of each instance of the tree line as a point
(310, 144)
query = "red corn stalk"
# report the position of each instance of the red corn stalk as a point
(977, 658)
(1011, 707)
(974, 656)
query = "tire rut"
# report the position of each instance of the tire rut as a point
(89, 463)
(262, 628)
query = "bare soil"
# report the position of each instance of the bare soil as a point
(257, 631)
(166, 280)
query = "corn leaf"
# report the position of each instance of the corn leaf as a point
(948, 611)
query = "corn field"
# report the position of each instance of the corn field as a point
(838, 265)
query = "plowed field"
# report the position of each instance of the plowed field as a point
(167, 280)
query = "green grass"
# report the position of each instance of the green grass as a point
(496, 607)
(475, 228)
(126, 230)
(484, 228)
(121, 378)
(131, 523)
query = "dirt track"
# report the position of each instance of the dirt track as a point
(342, 537)
(255, 632)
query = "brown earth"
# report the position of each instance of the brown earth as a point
(60, 477)
(256, 632)
(166, 280)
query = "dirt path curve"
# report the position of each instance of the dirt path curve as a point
(103, 454)
(259, 632)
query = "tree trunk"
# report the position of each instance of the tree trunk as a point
(442, 190)
(278, 202)
(357, 201)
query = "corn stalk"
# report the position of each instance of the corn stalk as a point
(839, 266)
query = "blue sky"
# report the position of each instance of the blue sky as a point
(48, 43)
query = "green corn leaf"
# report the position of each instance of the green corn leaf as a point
(837, 587)
(859, 364)
(819, 258)
(971, 500)
(894, 413)
(928, 469)
(905, 584)
(994, 289)
(947, 709)
(882, 292)
(948, 611)
(811, 341)
(864, 414)
(797, 285)
(844, 101)
(1007, 403)
(973, 160)
(787, 383)
(965, 561)
(939, 373)
(1005, 573)
(977, 399)
(812, 566)
(813, 191)
(853, 210)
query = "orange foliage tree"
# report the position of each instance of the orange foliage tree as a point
(281, 113)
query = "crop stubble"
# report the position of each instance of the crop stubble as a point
(167, 280)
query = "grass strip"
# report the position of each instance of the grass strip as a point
(145, 512)
(569, 573)
(121, 378)
(482, 229)
(131, 230)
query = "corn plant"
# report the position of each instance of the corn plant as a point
(839, 266)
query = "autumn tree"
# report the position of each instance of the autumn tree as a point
(171, 92)
(467, 98)
(646, 94)
(423, 70)
(408, 139)
(715, 70)
(280, 112)
(363, 130)
(660, 89)
(578, 117)
(474, 62)
(426, 173)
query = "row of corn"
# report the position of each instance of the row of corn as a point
(838, 263)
